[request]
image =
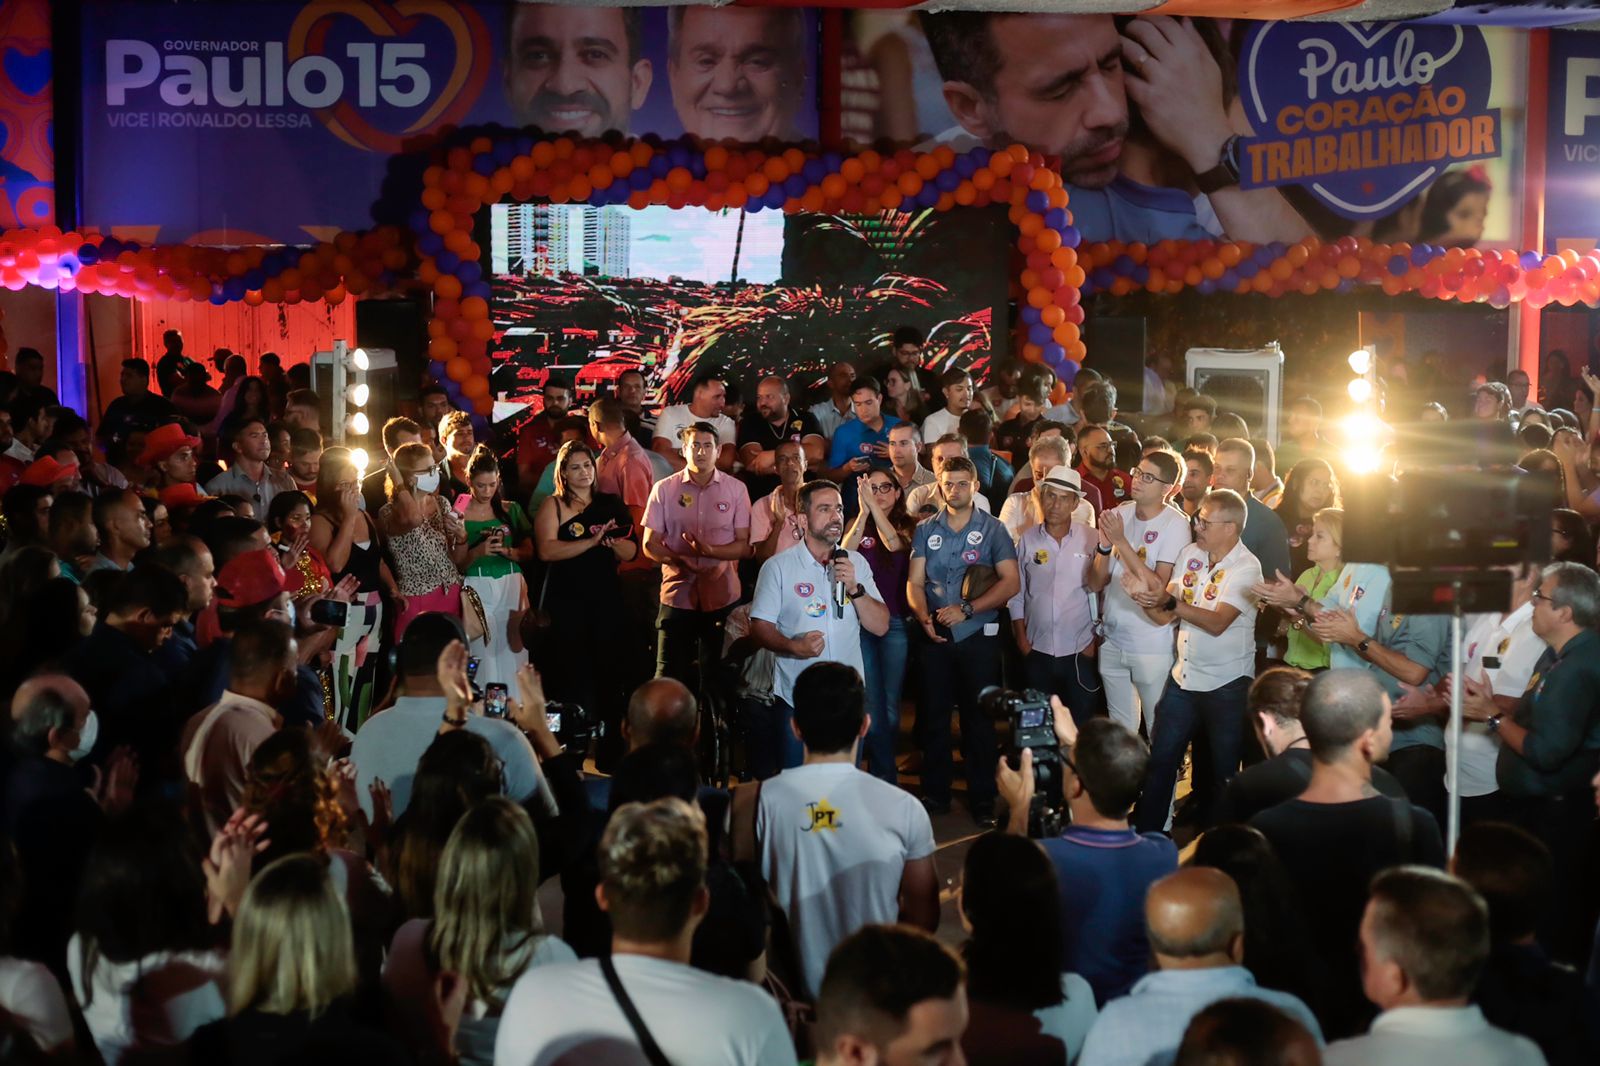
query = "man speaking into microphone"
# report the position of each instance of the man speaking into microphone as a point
(810, 605)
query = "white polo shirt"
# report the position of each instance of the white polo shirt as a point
(938, 424)
(927, 495)
(1505, 648)
(1205, 662)
(794, 593)
(1156, 541)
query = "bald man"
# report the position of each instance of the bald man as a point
(49, 814)
(1196, 927)
(662, 711)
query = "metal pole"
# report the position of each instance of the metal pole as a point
(341, 354)
(1453, 749)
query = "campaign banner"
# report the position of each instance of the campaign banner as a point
(1214, 129)
(27, 148)
(1364, 115)
(1571, 195)
(282, 121)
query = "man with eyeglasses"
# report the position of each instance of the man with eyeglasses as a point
(1097, 456)
(1145, 536)
(1209, 598)
(963, 570)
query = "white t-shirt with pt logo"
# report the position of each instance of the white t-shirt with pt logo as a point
(834, 842)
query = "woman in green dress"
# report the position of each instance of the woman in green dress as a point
(1325, 552)
(499, 542)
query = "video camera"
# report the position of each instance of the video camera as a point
(1032, 728)
(573, 725)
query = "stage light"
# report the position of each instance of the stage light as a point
(360, 394)
(358, 424)
(359, 358)
(358, 459)
(1364, 436)
(1360, 390)
(1360, 361)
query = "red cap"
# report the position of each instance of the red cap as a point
(46, 471)
(252, 578)
(183, 494)
(164, 442)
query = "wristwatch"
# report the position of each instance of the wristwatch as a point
(966, 609)
(1493, 722)
(1225, 173)
(1361, 649)
(1102, 549)
(856, 593)
(1171, 604)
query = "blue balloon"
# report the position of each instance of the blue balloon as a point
(752, 207)
(947, 181)
(1054, 353)
(1040, 334)
(1070, 237)
(774, 197)
(1141, 274)
(927, 196)
(469, 271)
(1069, 369)
(1420, 255)
(254, 279)
(1248, 269)
(233, 288)
(1273, 251)
(419, 222)
(659, 165)
(110, 248)
(218, 299)
(981, 155)
(1122, 266)
(88, 253)
(697, 166)
(639, 179)
(274, 263)
(484, 164)
(447, 261)
(1530, 260)
(69, 264)
(814, 171)
(480, 289)
(1399, 265)
(504, 152)
(1037, 202)
(795, 186)
(428, 244)
(965, 167)
(1102, 277)
(677, 156)
(1229, 280)
(1030, 315)
(1056, 218)
(1206, 287)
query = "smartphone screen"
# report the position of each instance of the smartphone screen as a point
(472, 668)
(494, 700)
(552, 721)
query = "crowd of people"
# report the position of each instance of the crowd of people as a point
(302, 747)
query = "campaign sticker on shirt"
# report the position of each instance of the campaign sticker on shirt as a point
(1194, 564)
(1188, 581)
(804, 589)
(723, 506)
(975, 538)
(1211, 592)
(577, 529)
(1150, 536)
(1216, 576)
(867, 542)
(816, 608)
(1119, 488)
(969, 556)
(1360, 592)
(796, 426)
(864, 448)
(685, 500)
(1504, 644)
(1041, 557)
(935, 542)
(1140, 553)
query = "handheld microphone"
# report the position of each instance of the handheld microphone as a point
(840, 594)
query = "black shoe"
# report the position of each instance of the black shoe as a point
(933, 806)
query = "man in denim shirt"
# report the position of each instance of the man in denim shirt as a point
(963, 654)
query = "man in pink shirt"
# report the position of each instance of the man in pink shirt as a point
(622, 468)
(697, 526)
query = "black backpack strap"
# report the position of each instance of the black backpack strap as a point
(647, 1043)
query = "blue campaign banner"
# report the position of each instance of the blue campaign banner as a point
(1364, 115)
(278, 121)
(1571, 195)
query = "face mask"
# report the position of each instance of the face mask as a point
(428, 482)
(361, 503)
(87, 736)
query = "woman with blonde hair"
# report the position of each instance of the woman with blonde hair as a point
(1325, 553)
(292, 976)
(427, 539)
(486, 926)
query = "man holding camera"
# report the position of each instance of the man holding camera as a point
(1209, 596)
(1103, 866)
(811, 602)
(963, 569)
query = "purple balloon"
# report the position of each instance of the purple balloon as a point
(1030, 315)
(1070, 237)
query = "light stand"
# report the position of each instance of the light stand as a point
(1452, 749)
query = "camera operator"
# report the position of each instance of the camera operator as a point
(811, 602)
(1103, 866)
(952, 554)
(1209, 597)
(1062, 567)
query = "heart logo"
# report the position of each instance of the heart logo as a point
(459, 28)
(28, 73)
(1364, 115)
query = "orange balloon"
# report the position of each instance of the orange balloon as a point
(1053, 315)
(440, 349)
(448, 286)
(483, 330)
(1058, 394)
(1067, 333)
(474, 307)
(475, 387)
(458, 369)
(1040, 297)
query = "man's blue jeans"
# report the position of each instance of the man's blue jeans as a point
(1179, 716)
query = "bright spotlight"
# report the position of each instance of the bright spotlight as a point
(358, 424)
(1364, 436)
(359, 358)
(1360, 361)
(358, 459)
(1360, 390)
(360, 394)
